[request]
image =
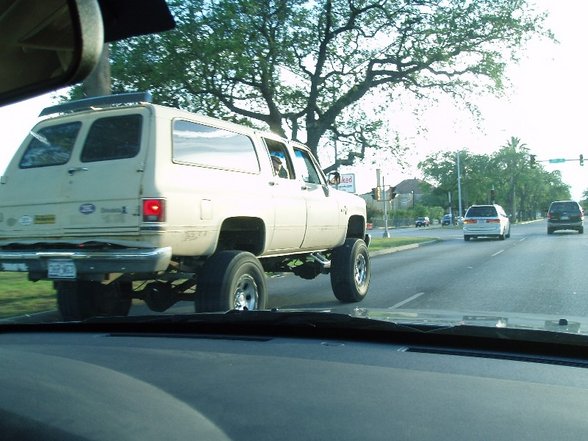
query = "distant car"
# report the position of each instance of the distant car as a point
(422, 222)
(486, 220)
(447, 220)
(565, 215)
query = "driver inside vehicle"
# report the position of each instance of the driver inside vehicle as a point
(279, 169)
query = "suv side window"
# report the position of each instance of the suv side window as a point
(51, 145)
(197, 144)
(114, 137)
(306, 165)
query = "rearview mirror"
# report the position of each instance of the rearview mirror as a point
(45, 45)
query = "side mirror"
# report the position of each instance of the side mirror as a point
(45, 45)
(334, 178)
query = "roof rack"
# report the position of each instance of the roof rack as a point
(108, 100)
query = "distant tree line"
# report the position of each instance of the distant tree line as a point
(505, 177)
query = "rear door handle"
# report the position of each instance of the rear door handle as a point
(73, 170)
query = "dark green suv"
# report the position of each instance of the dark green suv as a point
(565, 215)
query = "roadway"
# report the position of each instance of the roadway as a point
(530, 272)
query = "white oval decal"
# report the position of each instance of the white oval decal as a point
(87, 208)
(26, 220)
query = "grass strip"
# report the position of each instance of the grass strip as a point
(19, 296)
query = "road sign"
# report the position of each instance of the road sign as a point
(347, 182)
(556, 160)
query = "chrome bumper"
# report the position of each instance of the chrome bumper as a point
(87, 262)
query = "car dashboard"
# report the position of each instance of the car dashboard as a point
(140, 385)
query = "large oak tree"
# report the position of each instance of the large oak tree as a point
(315, 69)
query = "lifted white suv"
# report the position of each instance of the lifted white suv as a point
(109, 191)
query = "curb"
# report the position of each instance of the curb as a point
(412, 246)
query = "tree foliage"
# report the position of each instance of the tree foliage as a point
(523, 190)
(306, 68)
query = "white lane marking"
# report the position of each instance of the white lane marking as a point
(497, 253)
(404, 302)
(520, 240)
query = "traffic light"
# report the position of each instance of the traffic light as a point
(383, 193)
(377, 193)
(391, 194)
(533, 160)
(582, 160)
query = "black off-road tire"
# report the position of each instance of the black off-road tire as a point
(231, 280)
(80, 300)
(350, 271)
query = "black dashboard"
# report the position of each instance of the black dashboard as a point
(124, 385)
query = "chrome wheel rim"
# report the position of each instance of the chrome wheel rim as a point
(360, 270)
(246, 293)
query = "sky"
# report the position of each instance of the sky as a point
(545, 108)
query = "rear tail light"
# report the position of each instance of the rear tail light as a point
(153, 210)
(493, 221)
(470, 221)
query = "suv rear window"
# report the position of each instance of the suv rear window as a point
(559, 207)
(50, 145)
(114, 137)
(482, 212)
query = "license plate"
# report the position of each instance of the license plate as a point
(565, 218)
(61, 269)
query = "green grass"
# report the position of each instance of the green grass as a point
(19, 296)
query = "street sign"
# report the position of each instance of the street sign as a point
(347, 182)
(556, 160)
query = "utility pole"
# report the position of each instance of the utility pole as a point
(386, 234)
(459, 187)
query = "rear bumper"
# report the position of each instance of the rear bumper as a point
(565, 225)
(482, 231)
(87, 262)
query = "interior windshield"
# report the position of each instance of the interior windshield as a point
(308, 155)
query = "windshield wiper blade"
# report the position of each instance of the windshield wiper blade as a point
(266, 320)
